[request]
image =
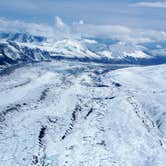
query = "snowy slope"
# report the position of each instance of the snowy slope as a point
(83, 114)
(21, 37)
(14, 53)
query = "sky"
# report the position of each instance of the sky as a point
(131, 13)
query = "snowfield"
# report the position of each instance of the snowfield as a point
(64, 113)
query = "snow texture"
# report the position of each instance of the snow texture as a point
(65, 113)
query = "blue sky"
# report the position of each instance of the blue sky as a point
(132, 13)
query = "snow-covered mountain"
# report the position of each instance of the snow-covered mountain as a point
(18, 48)
(85, 103)
(83, 114)
(21, 37)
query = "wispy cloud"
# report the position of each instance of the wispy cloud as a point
(20, 26)
(150, 4)
(93, 11)
(58, 30)
(121, 33)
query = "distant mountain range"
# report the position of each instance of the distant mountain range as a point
(19, 47)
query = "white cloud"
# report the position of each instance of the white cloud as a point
(59, 24)
(20, 26)
(150, 4)
(118, 32)
(80, 22)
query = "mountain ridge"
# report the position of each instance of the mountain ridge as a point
(17, 48)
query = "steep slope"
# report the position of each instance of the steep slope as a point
(67, 113)
(14, 53)
(21, 37)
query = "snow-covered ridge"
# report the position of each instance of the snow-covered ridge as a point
(21, 37)
(23, 47)
(66, 113)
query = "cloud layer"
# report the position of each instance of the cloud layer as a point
(20, 26)
(151, 4)
(80, 29)
(101, 12)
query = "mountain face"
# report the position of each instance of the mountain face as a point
(16, 48)
(21, 37)
(12, 53)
